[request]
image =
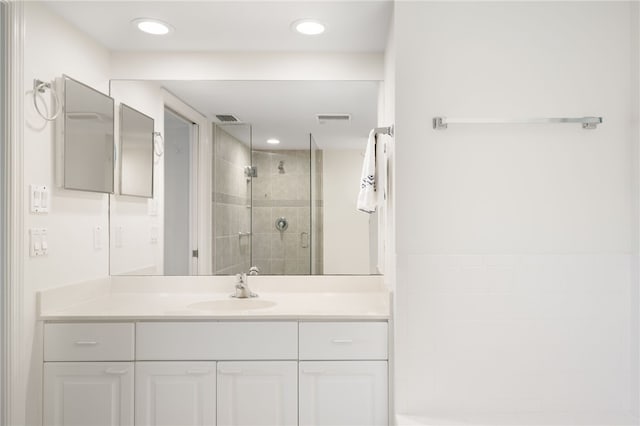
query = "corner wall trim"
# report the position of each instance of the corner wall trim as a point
(13, 372)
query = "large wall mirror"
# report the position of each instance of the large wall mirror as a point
(86, 138)
(268, 177)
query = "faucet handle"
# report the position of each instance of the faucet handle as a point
(241, 278)
(254, 270)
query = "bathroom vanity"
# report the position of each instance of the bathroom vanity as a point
(145, 353)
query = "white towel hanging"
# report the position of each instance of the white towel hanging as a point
(367, 197)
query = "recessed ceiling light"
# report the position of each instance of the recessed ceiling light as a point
(273, 141)
(152, 26)
(308, 27)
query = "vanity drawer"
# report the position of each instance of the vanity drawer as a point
(343, 340)
(89, 342)
(158, 341)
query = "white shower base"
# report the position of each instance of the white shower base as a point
(521, 419)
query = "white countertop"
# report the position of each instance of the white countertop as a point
(170, 298)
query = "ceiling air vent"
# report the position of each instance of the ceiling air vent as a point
(227, 118)
(333, 118)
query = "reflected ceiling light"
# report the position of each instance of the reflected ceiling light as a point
(273, 141)
(152, 26)
(308, 27)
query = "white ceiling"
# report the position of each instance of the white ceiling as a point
(351, 26)
(282, 109)
(287, 110)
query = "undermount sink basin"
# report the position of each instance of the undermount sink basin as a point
(232, 305)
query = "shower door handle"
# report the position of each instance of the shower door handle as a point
(304, 239)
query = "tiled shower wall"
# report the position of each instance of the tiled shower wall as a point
(282, 192)
(231, 205)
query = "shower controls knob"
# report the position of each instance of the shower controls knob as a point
(282, 224)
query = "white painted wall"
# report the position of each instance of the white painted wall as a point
(515, 243)
(135, 253)
(52, 48)
(247, 66)
(345, 229)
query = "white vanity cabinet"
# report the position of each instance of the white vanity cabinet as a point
(343, 374)
(216, 373)
(176, 393)
(88, 393)
(258, 393)
(256, 372)
(88, 374)
(350, 393)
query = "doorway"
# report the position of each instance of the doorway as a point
(180, 195)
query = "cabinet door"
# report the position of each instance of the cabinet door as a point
(261, 393)
(175, 394)
(88, 394)
(352, 393)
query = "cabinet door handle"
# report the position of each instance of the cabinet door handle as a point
(230, 371)
(86, 343)
(342, 341)
(116, 372)
(313, 371)
(197, 372)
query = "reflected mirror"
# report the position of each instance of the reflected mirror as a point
(87, 132)
(136, 153)
(270, 178)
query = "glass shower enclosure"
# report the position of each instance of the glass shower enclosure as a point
(267, 205)
(286, 209)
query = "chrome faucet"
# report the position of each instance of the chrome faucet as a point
(254, 270)
(242, 287)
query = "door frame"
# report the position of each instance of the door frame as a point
(201, 183)
(12, 368)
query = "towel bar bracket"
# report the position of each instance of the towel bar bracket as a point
(385, 130)
(439, 124)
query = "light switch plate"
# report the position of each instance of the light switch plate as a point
(39, 197)
(38, 242)
(152, 207)
(97, 237)
(118, 236)
(153, 233)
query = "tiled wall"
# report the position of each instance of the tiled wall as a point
(282, 193)
(231, 205)
(516, 332)
(516, 287)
